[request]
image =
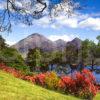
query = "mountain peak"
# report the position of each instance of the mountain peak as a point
(35, 34)
(33, 41)
(59, 40)
(76, 42)
(60, 44)
(76, 39)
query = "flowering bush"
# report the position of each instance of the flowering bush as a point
(67, 84)
(13, 71)
(29, 78)
(40, 79)
(82, 84)
(51, 80)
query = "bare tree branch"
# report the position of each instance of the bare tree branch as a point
(25, 11)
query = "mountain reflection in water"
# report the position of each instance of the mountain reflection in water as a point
(66, 70)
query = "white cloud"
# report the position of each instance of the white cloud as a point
(93, 23)
(10, 42)
(2, 5)
(61, 21)
(18, 4)
(71, 22)
(44, 22)
(23, 25)
(80, 21)
(58, 22)
(76, 21)
(64, 37)
(55, 26)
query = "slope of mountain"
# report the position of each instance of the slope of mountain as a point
(60, 44)
(38, 40)
(33, 41)
(76, 42)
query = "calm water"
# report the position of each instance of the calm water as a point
(96, 73)
(97, 76)
(67, 71)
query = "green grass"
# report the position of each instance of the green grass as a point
(97, 97)
(12, 88)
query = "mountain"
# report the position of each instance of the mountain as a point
(76, 42)
(38, 40)
(60, 44)
(33, 41)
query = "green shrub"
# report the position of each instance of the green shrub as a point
(28, 73)
(12, 58)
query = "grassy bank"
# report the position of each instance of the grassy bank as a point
(12, 88)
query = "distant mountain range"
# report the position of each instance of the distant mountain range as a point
(38, 40)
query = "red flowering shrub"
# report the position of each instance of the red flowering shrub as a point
(51, 80)
(82, 84)
(13, 71)
(89, 75)
(29, 78)
(67, 84)
(85, 84)
(40, 79)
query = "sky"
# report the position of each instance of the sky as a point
(84, 24)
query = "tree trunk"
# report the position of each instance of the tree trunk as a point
(92, 64)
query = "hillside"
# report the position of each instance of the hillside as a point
(12, 88)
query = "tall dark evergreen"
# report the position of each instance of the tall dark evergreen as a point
(34, 58)
(2, 43)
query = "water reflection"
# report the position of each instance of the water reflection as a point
(67, 70)
(96, 72)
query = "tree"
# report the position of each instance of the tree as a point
(58, 57)
(34, 58)
(71, 54)
(92, 51)
(25, 11)
(98, 47)
(85, 51)
(46, 57)
(2, 43)
(11, 56)
(98, 38)
(46, 60)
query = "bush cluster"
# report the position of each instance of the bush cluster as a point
(51, 80)
(80, 84)
(11, 70)
(40, 79)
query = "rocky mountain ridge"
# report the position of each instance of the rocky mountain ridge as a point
(40, 41)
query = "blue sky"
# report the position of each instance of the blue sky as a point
(84, 24)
